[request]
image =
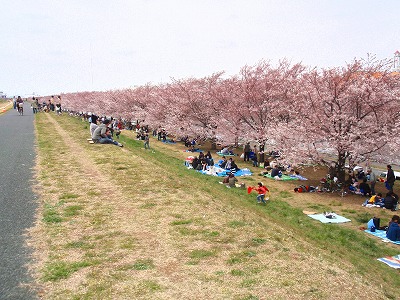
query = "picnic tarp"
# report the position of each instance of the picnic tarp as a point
(391, 261)
(216, 170)
(382, 234)
(283, 177)
(195, 150)
(337, 218)
(222, 154)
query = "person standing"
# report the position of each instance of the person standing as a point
(246, 150)
(371, 176)
(51, 104)
(390, 178)
(58, 105)
(35, 105)
(146, 141)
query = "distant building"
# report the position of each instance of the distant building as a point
(2, 95)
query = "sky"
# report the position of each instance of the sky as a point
(50, 47)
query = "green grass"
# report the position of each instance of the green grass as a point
(68, 196)
(149, 286)
(148, 205)
(72, 210)
(181, 222)
(51, 215)
(200, 254)
(236, 224)
(258, 241)
(80, 245)
(61, 270)
(236, 272)
(143, 264)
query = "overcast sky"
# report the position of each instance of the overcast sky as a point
(50, 47)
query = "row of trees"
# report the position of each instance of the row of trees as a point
(352, 112)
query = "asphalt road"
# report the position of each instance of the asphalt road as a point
(17, 202)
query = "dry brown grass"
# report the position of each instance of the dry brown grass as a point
(132, 227)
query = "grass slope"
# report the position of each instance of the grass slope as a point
(126, 223)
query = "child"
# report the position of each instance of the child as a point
(261, 190)
(374, 200)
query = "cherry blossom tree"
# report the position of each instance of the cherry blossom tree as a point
(191, 107)
(260, 98)
(347, 112)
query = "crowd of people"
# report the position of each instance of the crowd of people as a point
(392, 229)
(202, 161)
(390, 201)
(103, 130)
(102, 133)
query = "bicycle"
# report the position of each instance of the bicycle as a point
(20, 109)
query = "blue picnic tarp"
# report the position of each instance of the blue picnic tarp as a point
(382, 234)
(216, 170)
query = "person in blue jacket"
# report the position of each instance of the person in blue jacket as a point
(393, 232)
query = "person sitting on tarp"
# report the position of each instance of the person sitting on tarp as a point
(374, 223)
(393, 232)
(204, 164)
(201, 155)
(195, 162)
(231, 165)
(276, 172)
(225, 150)
(374, 200)
(222, 163)
(209, 158)
(355, 188)
(187, 141)
(364, 188)
(391, 200)
(230, 180)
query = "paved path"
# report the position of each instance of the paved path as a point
(17, 202)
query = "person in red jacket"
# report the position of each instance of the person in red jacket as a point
(262, 191)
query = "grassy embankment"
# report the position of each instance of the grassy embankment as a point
(125, 223)
(5, 105)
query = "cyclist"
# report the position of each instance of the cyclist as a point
(20, 105)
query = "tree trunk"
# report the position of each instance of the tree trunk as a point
(340, 167)
(213, 144)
